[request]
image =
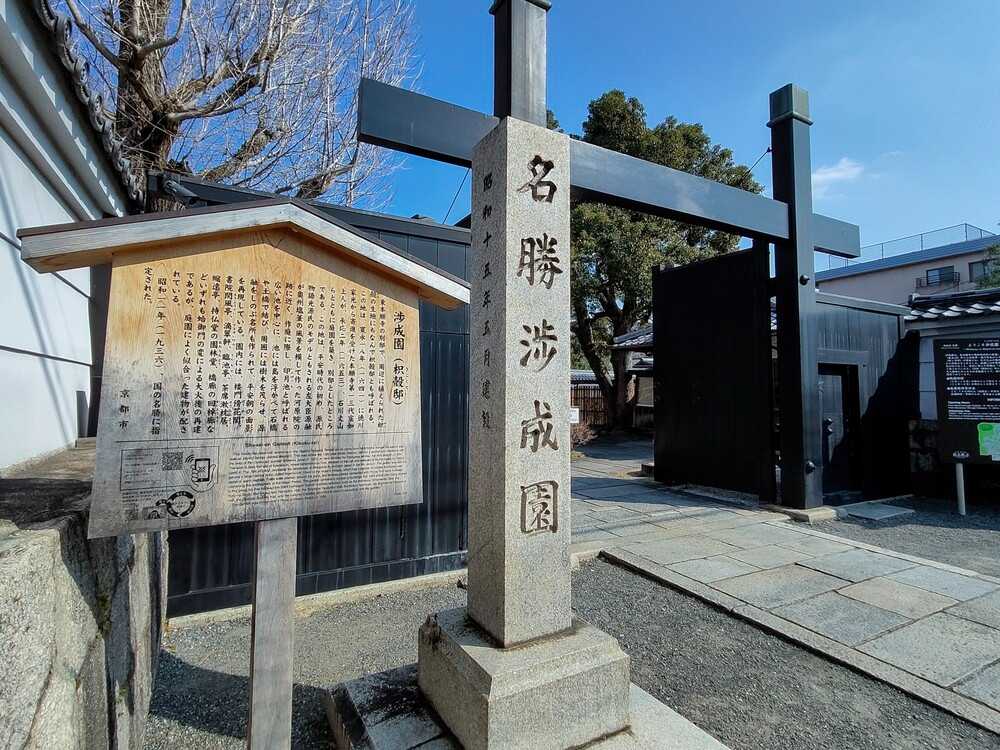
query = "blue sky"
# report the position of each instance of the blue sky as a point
(904, 94)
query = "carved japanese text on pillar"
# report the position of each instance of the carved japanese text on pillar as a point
(539, 264)
(540, 507)
(487, 305)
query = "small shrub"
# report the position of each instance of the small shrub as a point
(581, 434)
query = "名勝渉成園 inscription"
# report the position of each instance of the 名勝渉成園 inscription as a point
(538, 260)
(540, 507)
(542, 190)
(540, 345)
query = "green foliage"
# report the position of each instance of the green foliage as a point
(551, 122)
(614, 250)
(992, 277)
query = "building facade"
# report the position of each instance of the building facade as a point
(948, 268)
(58, 164)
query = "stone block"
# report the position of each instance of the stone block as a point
(944, 582)
(634, 530)
(384, 710)
(939, 648)
(857, 564)
(876, 511)
(615, 513)
(983, 687)
(710, 569)
(678, 550)
(80, 621)
(387, 712)
(773, 588)
(897, 597)
(771, 556)
(984, 610)
(582, 483)
(815, 545)
(756, 535)
(844, 620)
(550, 694)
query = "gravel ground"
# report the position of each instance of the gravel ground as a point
(202, 691)
(935, 531)
(750, 689)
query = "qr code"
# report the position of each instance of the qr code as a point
(173, 460)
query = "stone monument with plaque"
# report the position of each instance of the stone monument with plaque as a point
(262, 362)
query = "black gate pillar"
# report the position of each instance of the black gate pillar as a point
(519, 59)
(798, 370)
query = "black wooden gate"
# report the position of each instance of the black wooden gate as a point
(712, 369)
(211, 567)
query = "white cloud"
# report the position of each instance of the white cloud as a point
(825, 178)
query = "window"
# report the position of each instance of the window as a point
(980, 269)
(943, 275)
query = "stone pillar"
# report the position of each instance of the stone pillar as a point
(515, 670)
(519, 583)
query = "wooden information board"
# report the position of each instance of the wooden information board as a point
(262, 362)
(254, 376)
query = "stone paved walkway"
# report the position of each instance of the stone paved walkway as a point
(930, 629)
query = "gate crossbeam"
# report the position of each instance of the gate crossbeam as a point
(421, 125)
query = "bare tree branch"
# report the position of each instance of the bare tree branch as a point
(259, 93)
(90, 35)
(167, 41)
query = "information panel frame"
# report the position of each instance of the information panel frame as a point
(281, 329)
(967, 385)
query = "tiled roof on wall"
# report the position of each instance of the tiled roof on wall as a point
(60, 27)
(960, 305)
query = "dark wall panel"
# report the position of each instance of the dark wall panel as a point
(212, 567)
(886, 367)
(711, 338)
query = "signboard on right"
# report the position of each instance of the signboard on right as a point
(967, 376)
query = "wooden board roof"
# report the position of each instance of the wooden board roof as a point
(87, 243)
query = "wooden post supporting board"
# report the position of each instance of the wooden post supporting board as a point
(272, 635)
(960, 486)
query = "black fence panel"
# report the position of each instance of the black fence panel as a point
(712, 371)
(211, 567)
(589, 399)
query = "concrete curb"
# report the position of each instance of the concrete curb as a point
(946, 700)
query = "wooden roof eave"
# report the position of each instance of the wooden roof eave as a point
(90, 243)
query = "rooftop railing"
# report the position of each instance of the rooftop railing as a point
(913, 243)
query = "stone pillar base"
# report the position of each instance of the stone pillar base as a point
(553, 693)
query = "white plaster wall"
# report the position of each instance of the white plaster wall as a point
(52, 170)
